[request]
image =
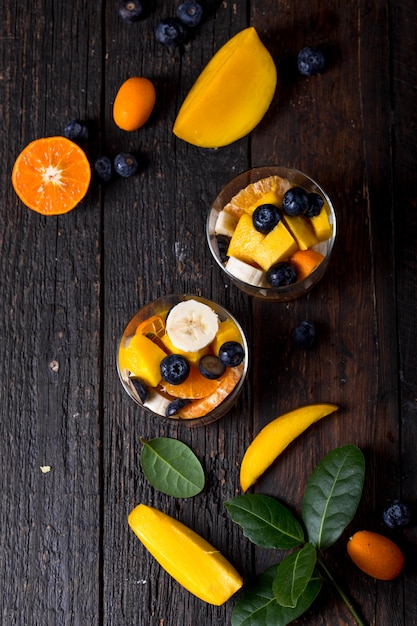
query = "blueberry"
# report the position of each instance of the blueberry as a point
(223, 246)
(171, 32)
(190, 13)
(295, 201)
(141, 388)
(130, 10)
(281, 274)
(125, 164)
(310, 61)
(315, 203)
(396, 514)
(76, 130)
(211, 367)
(175, 406)
(174, 369)
(265, 217)
(103, 168)
(231, 353)
(303, 335)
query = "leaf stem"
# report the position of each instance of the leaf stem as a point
(343, 595)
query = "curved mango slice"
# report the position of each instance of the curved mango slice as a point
(231, 95)
(185, 555)
(275, 437)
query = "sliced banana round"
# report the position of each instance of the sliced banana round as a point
(191, 325)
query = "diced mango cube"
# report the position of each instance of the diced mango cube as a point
(245, 240)
(228, 331)
(321, 225)
(271, 197)
(142, 357)
(301, 230)
(277, 246)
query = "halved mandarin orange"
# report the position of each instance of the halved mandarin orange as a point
(195, 386)
(51, 175)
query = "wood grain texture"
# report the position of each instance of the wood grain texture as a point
(70, 284)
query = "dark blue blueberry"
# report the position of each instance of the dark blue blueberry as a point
(103, 168)
(396, 514)
(141, 388)
(171, 32)
(174, 369)
(223, 246)
(310, 61)
(231, 354)
(175, 406)
(125, 164)
(265, 217)
(303, 335)
(130, 10)
(76, 130)
(281, 275)
(315, 203)
(295, 201)
(211, 367)
(190, 13)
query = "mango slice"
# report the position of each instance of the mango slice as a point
(275, 437)
(185, 555)
(231, 95)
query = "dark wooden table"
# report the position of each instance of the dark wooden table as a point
(69, 284)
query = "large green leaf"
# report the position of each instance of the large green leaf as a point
(258, 606)
(265, 521)
(332, 495)
(172, 467)
(294, 574)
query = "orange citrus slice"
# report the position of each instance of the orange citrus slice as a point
(194, 386)
(154, 325)
(269, 189)
(51, 175)
(203, 406)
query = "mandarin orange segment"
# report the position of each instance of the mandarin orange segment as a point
(195, 386)
(199, 408)
(51, 175)
(154, 325)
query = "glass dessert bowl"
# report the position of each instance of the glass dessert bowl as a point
(272, 230)
(183, 357)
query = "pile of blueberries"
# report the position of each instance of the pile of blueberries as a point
(171, 31)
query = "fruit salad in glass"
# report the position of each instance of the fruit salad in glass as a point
(272, 231)
(183, 357)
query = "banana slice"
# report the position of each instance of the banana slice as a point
(225, 224)
(246, 273)
(156, 402)
(191, 325)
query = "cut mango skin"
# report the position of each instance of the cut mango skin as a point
(185, 555)
(231, 95)
(275, 437)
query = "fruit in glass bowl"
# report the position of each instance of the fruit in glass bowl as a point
(183, 357)
(272, 231)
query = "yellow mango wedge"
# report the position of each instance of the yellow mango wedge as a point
(185, 555)
(231, 95)
(275, 437)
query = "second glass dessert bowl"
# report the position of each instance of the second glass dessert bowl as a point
(271, 230)
(183, 357)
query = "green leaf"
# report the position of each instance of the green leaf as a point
(332, 495)
(265, 521)
(258, 606)
(172, 467)
(294, 573)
